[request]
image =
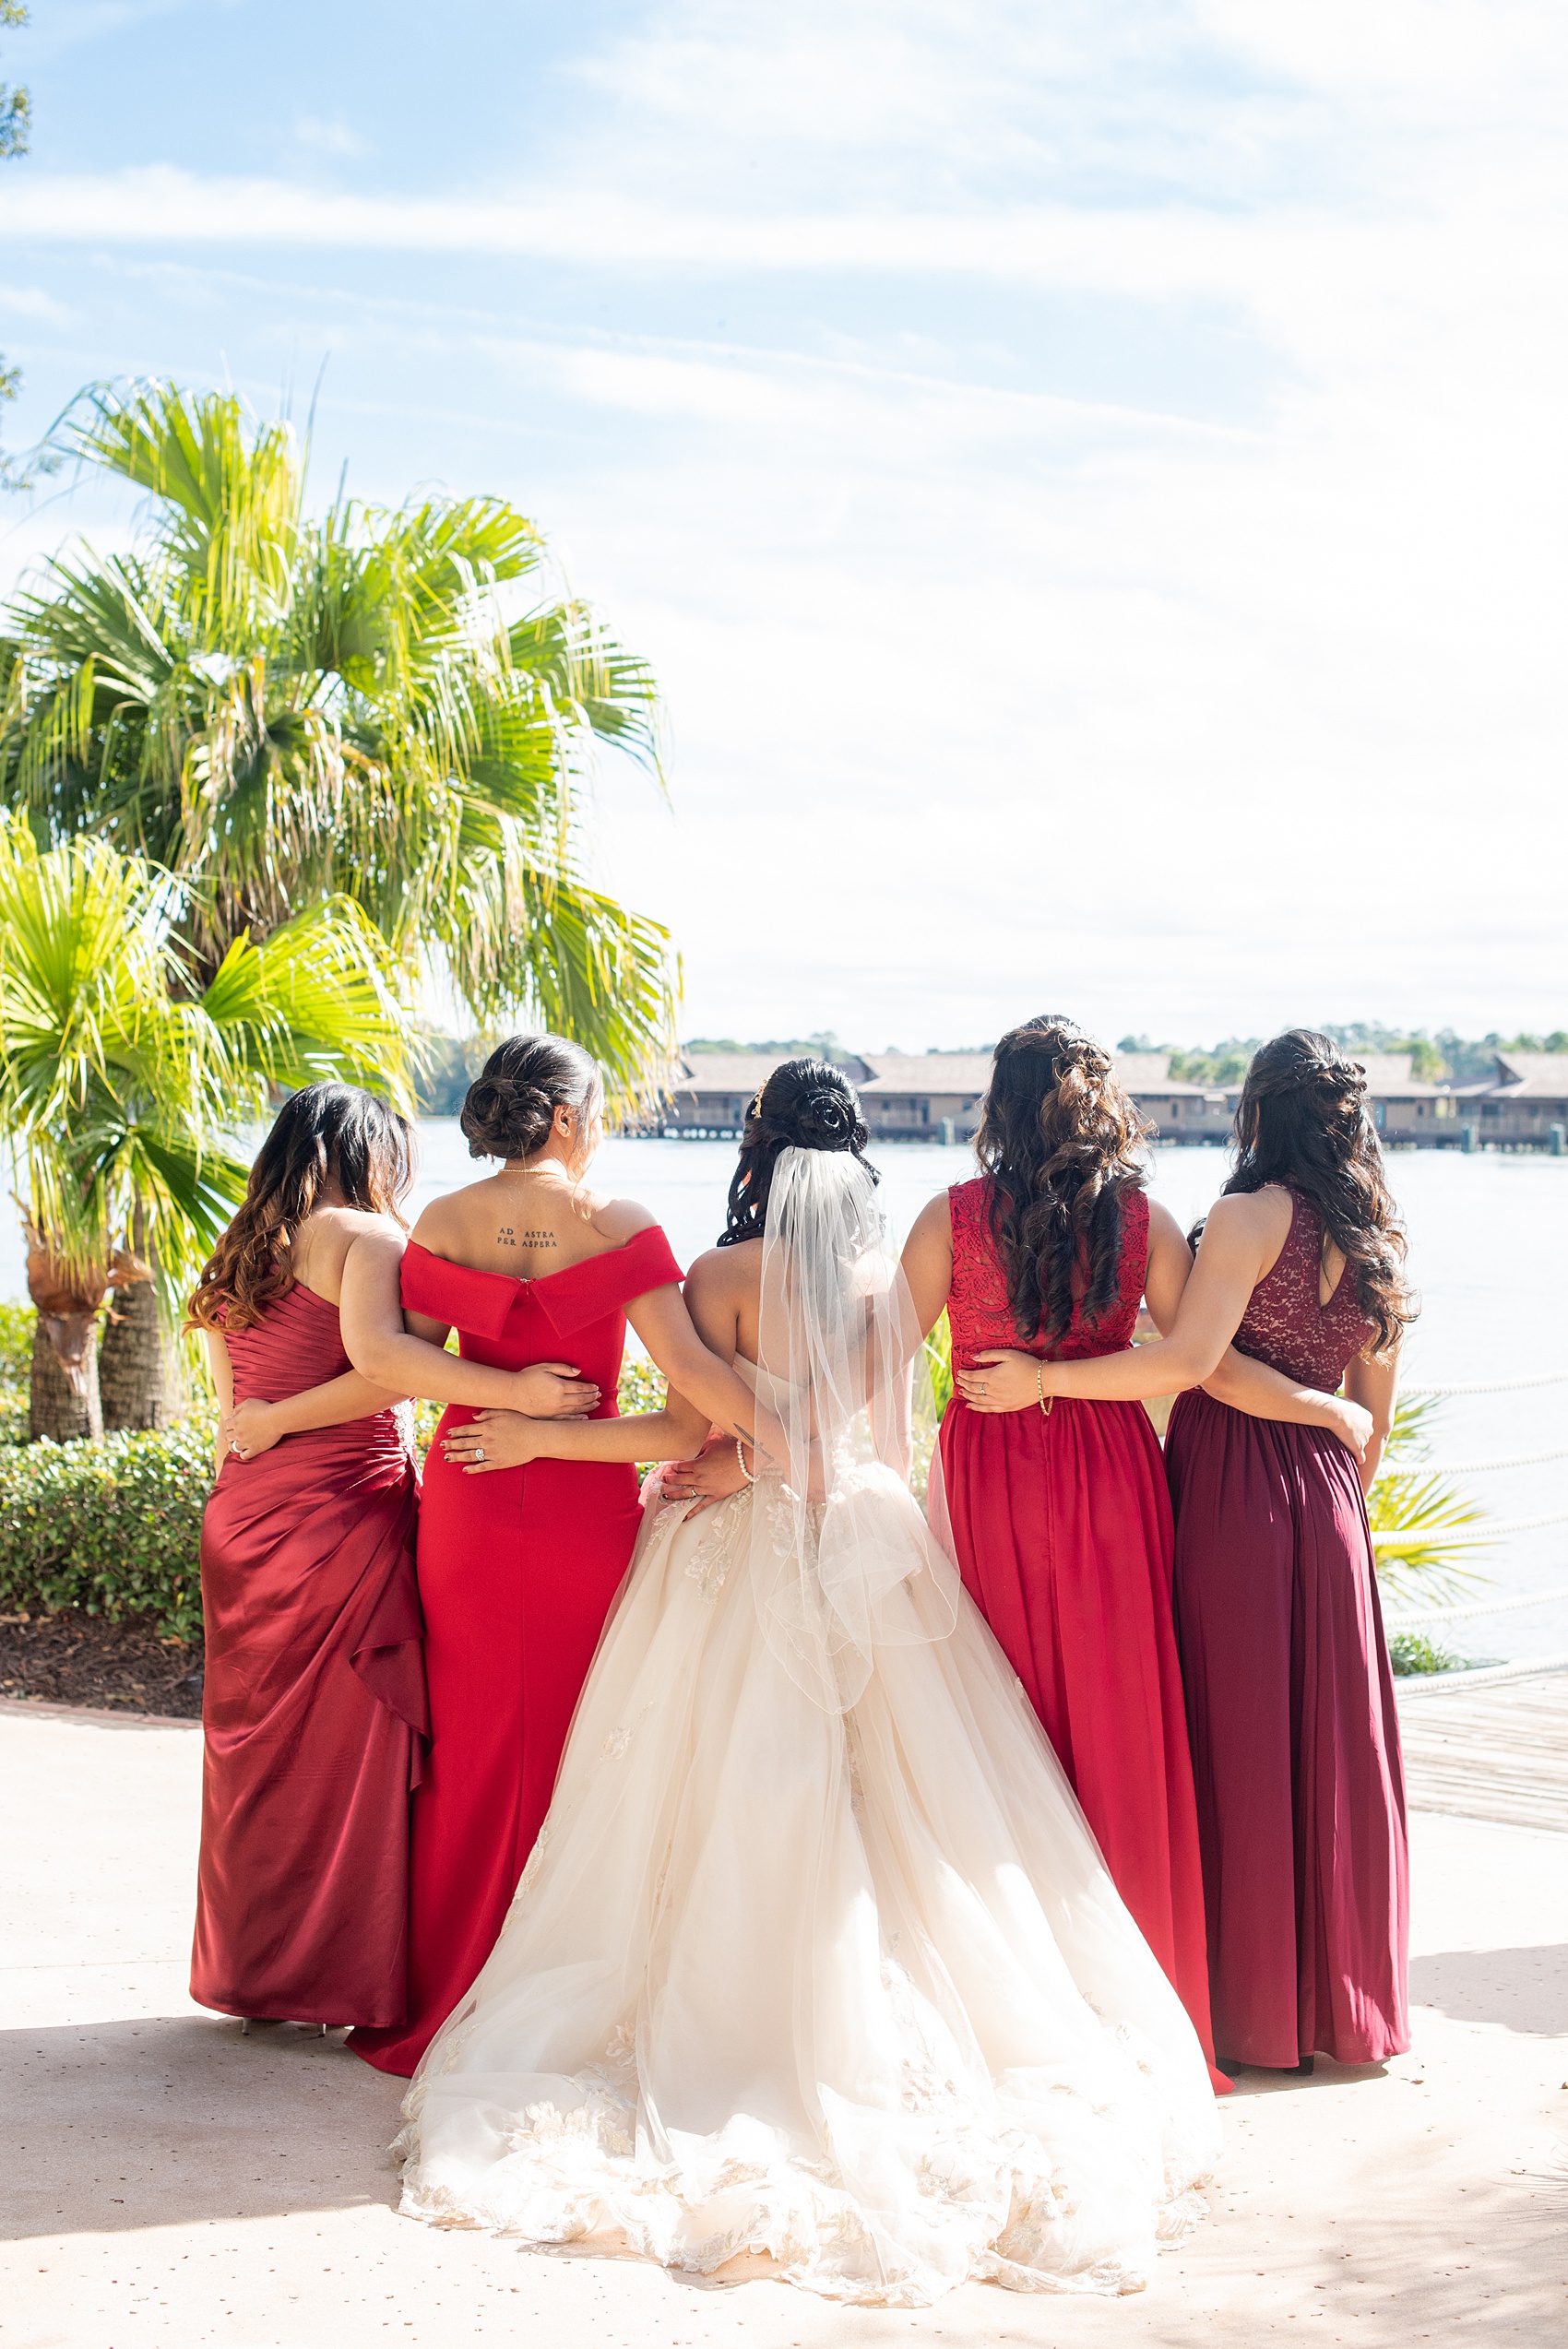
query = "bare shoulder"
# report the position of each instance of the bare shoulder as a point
(440, 1224)
(1265, 1211)
(618, 1220)
(725, 1271)
(1250, 1225)
(932, 1228)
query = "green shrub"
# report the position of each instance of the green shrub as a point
(113, 1527)
(1410, 1651)
(17, 1325)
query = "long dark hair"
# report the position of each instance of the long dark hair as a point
(1062, 1142)
(805, 1105)
(1302, 1121)
(323, 1133)
(510, 1108)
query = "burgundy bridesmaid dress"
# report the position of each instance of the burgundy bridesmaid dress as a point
(1062, 1525)
(518, 1571)
(314, 1703)
(1291, 1700)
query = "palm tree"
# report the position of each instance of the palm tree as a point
(122, 1082)
(376, 703)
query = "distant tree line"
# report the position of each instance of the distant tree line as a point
(1447, 1057)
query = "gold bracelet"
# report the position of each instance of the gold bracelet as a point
(740, 1456)
(1045, 1400)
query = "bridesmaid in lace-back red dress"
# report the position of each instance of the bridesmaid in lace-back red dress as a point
(1062, 1525)
(1061, 1521)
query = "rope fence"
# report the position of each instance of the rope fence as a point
(1495, 1386)
(1402, 1466)
(1471, 1608)
(1439, 1533)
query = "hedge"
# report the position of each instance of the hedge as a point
(114, 1527)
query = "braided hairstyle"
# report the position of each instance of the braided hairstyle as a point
(1302, 1121)
(805, 1105)
(1061, 1141)
(323, 1133)
(510, 1108)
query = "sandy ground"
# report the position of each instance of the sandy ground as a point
(172, 2182)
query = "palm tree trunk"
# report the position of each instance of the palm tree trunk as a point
(140, 1385)
(58, 1408)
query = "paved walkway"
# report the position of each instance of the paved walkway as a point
(171, 2183)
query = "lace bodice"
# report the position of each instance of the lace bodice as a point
(1284, 1324)
(978, 1307)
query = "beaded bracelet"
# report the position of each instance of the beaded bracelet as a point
(740, 1456)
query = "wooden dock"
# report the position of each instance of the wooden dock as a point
(1500, 1752)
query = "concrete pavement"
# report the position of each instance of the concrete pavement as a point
(167, 2181)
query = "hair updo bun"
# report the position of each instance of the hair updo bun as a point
(805, 1105)
(510, 1107)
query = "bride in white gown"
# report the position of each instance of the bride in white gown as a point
(815, 1956)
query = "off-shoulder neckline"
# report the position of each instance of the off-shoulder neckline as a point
(537, 1280)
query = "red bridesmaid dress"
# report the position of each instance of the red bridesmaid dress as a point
(1062, 1525)
(516, 1573)
(314, 1703)
(1291, 1699)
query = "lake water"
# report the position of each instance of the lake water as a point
(1488, 1251)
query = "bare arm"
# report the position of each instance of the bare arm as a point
(222, 1371)
(928, 1261)
(1374, 1385)
(255, 1426)
(371, 1313)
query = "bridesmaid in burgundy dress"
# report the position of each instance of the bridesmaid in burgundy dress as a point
(1289, 1697)
(1059, 1513)
(313, 1706)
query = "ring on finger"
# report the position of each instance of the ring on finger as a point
(478, 1452)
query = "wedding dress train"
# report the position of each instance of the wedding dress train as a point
(815, 1956)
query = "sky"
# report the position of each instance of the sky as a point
(1090, 479)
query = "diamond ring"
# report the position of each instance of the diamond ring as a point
(478, 1452)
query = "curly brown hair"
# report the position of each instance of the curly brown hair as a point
(1302, 1122)
(323, 1133)
(1061, 1141)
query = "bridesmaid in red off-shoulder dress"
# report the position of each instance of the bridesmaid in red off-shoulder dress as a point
(518, 1568)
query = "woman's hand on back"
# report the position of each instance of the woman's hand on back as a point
(1353, 1425)
(1002, 1380)
(556, 1390)
(494, 1440)
(250, 1429)
(712, 1477)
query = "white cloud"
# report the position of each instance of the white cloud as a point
(986, 697)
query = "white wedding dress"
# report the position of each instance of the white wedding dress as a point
(815, 1956)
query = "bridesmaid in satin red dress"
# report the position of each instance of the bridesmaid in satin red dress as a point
(314, 1703)
(519, 1567)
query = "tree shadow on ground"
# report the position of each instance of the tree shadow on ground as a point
(166, 2119)
(1524, 1990)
